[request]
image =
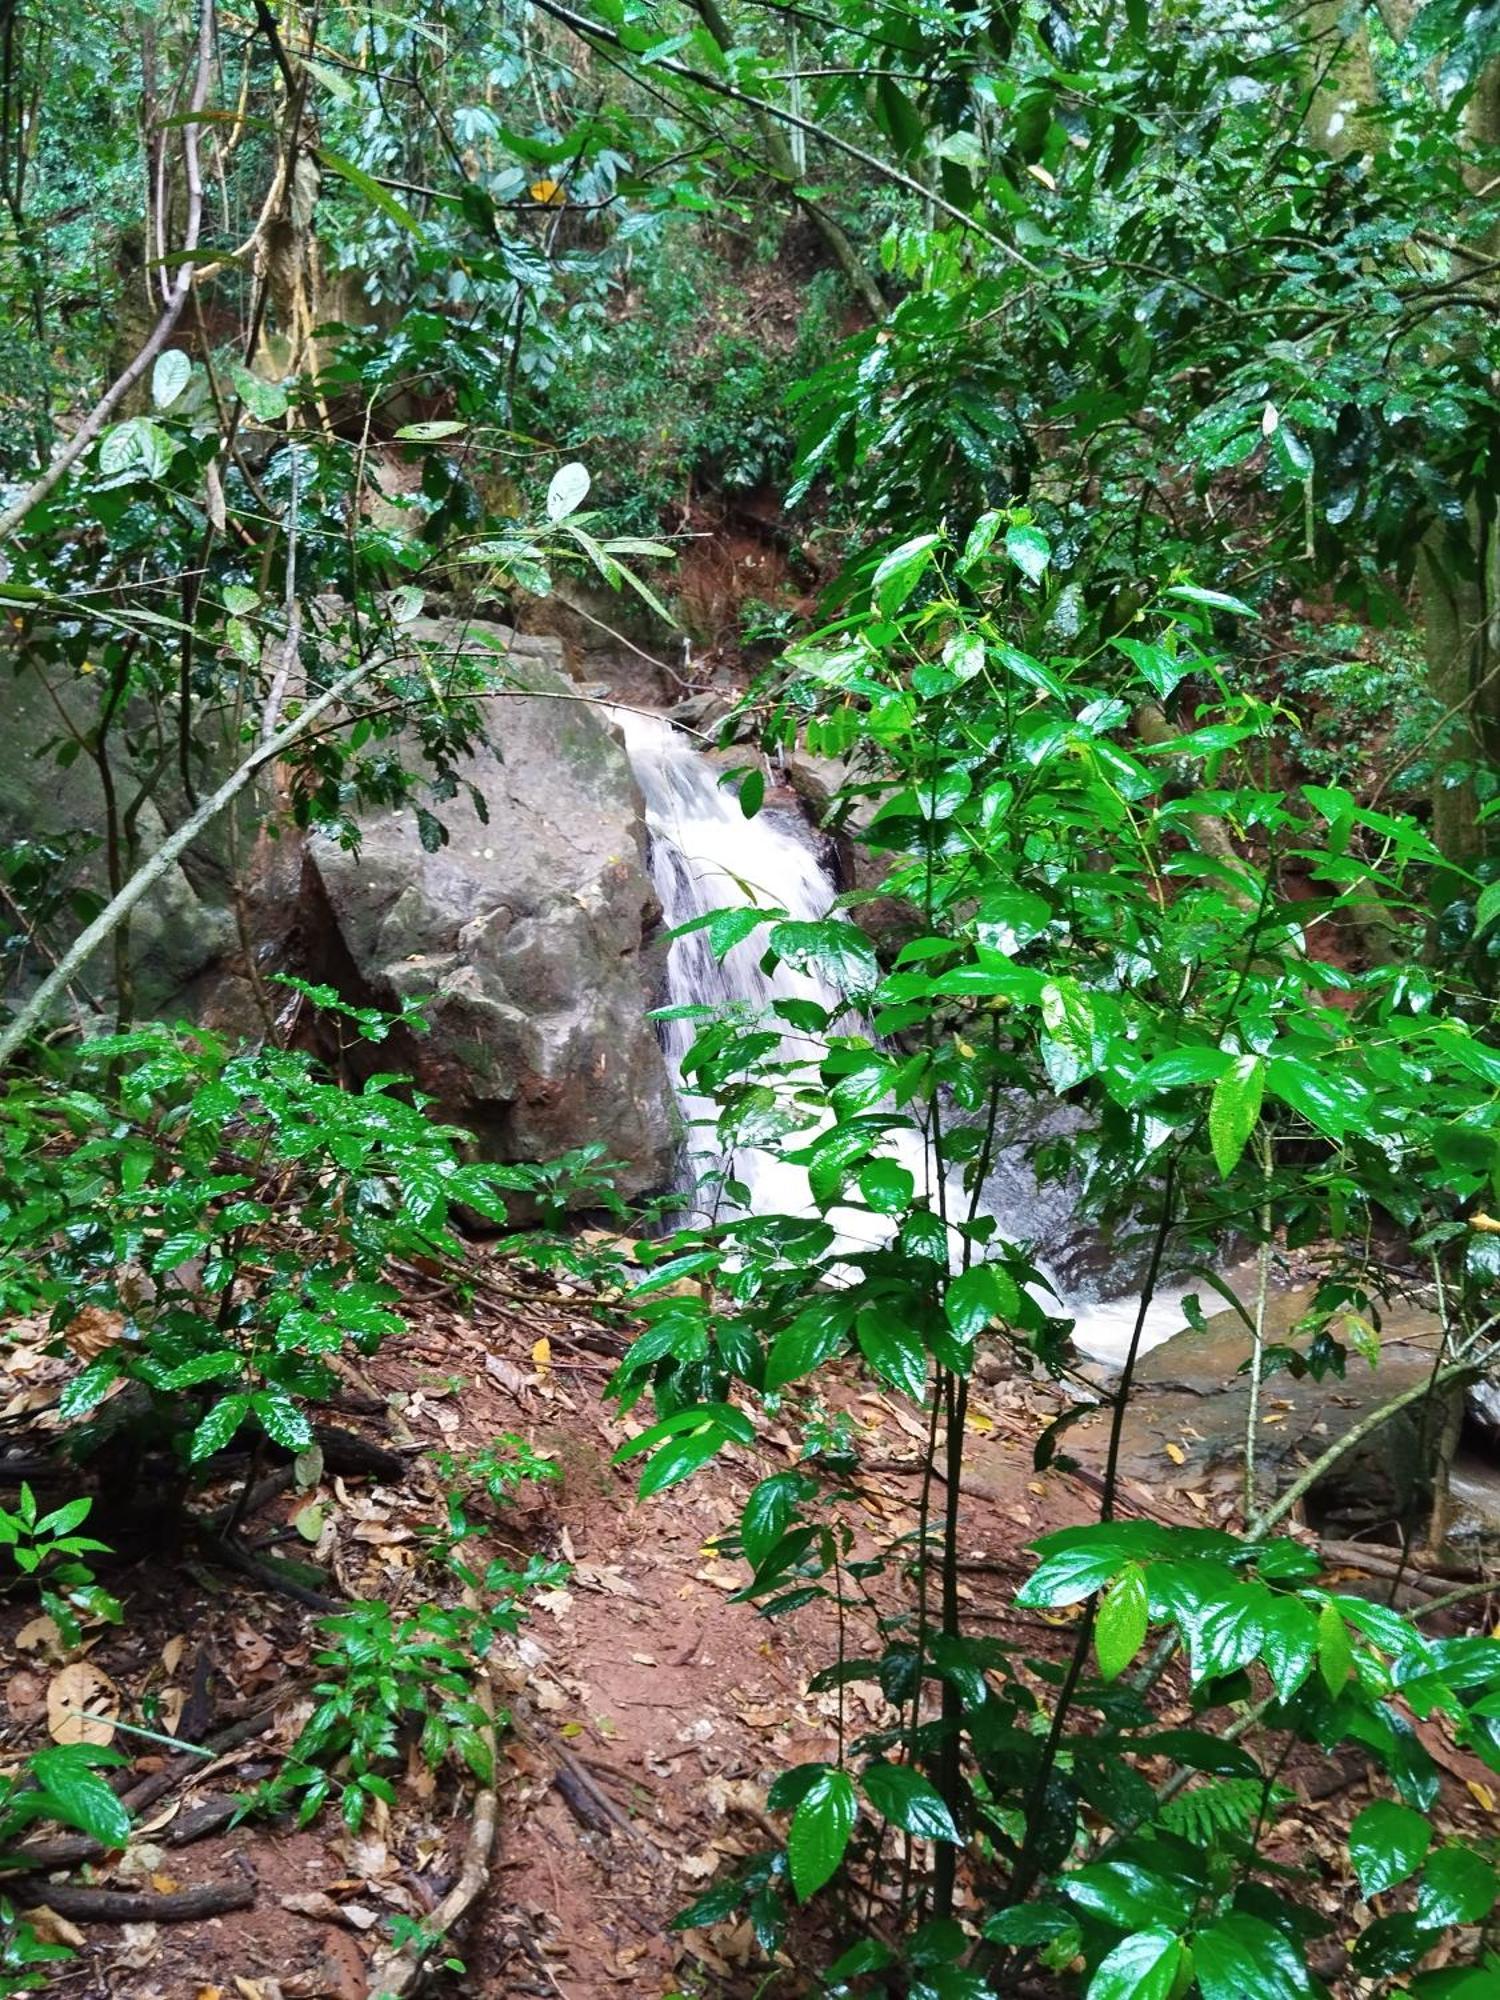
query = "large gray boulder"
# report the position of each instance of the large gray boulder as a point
(528, 932)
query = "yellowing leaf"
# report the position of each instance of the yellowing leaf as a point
(1176, 1453)
(549, 192)
(541, 1355)
(1481, 1793)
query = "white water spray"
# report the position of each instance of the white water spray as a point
(705, 855)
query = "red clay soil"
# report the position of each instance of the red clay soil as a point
(650, 1711)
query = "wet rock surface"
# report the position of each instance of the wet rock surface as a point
(1191, 1399)
(530, 931)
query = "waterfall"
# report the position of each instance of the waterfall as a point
(706, 855)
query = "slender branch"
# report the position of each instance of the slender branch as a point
(172, 848)
(177, 298)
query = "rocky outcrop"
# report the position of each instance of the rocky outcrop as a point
(527, 933)
(1189, 1406)
(52, 795)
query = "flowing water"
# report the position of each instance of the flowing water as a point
(705, 855)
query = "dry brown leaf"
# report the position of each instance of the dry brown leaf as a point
(53, 1929)
(39, 1632)
(607, 1578)
(172, 1652)
(93, 1332)
(76, 1698)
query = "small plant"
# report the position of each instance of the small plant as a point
(61, 1784)
(393, 1680)
(48, 1553)
(497, 1471)
(149, 1213)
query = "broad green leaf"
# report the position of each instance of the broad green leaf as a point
(1182, 1067)
(1458, 1886)
(894, 1351)
(909, 1801)
(768, 1514)
(897, 574)
(1335, 1654)
(1387, 1842)
(1142, 1967)
(753, 793)
(1126, 1895)
(887, 1186)
(1234, 1109)
(840, 952)
(1242, 1958)
(977, 1297)
(1030, 551)
(219, 1426)
(1121, 1622)
(812, 1338)
(820, 1832)
(722, 1417)
(281, 1419)
(77, 1796)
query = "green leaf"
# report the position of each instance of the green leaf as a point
(1387, 1842)
(1142, 1967)
(1289, 1643)
(897, 574)
(909, 1801)
(281, 1420)
(372, 191)
(1079, 1561)
(887, 1186)
(1487, 909)
(820, 1832)
(752, 792)
(1234, 1109)
(977, 1297)
(768, 1514)
(431, 431)
(170, 377)
(812, 1338)
(1029, 550)
(1126, 1895)
(702, 1416)
(1120, 1626)
(1241, 1958)
(219, 1426)
(1213, 600)
(77, 1796)
(679, 1459)
(1458, 1887)
(839, 952)
(1181, 1067)
(1335, 1654)
(894, 1351)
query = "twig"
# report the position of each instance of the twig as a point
(135, 1906)
(405, 1973)
(176, 299)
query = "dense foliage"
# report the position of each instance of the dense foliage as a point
(1123, 382)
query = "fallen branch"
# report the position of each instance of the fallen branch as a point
(234, 1555)
(405, 1973)
(135, 1906)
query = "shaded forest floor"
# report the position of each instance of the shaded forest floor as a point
(650, 1710)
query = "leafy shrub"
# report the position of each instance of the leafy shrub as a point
(48, 1554)
(225, 1216)
(61, 1784)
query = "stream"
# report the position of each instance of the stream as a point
(706, 855)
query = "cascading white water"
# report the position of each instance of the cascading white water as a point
(706, 855)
